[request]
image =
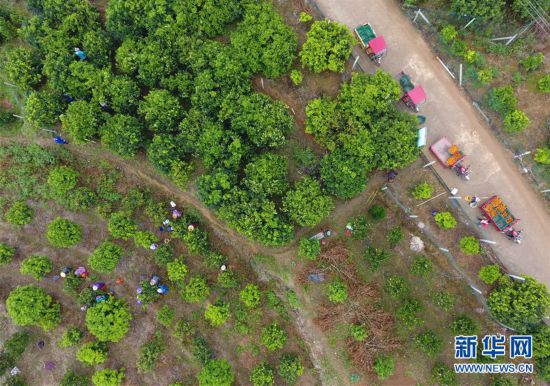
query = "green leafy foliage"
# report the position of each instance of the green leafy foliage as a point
(290, 368)
(71, 337)
(121, 226)
(515, 121)
(543, 84)
(70, 378)
(19, 214)
(108, 377)
(123, 134)
(36, 266)
(42, 108)
(463, 325)
(445, 220)
(408, 313)
(165, 315)
(421, 266)
(160, 111)
(395, 236)
(327, 47)
(422, 191)
(396, 286)
(470, 245)
(428, 342)
(30, 305)
(519, 304)
(267, 175)
(6, 253)
(13, 348)
(183, 329)
(105, 257)
(306, 204)
(197, 242)
(23, 67)
(360, 226)
(489, 273)
(342, 175)
(250, 296)
(502, 99)
(216, 372)
(145, 239)
(448, 33)
(176, 270)
(542, 156)
(532, 62)
(62, 179)
(384, 367)
(149, 354)
(483, 9)
(63, 233)
(109, 320)
(163, 254)
(82, 120)
(375, 257)
(442, 375)
(80, 199)
(200, 350)
(227, 279)
(92, 353)
(262, 375)
(264, 43)
(485, 76)
(217, 314)
(148, 293)
(296, 77)
(377, 212)
(273, 337)
(337, 291)
(195, 290)
(443, 300)
(309, 248)
(358, 331)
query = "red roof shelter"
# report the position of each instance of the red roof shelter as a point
(417, 95)
(378, 45)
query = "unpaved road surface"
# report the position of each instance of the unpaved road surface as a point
(449, 113)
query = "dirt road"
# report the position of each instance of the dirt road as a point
(449, 113)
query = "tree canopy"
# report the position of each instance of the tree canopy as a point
(109, 320)
(31, 305)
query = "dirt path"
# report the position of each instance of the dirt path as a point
(450, 114)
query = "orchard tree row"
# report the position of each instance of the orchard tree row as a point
(154, 78)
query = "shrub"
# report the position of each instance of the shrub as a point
(165, 315)
(262, 375)
(176, 270)
(544, 84)
(145, 239)
(217, 314)
(19, 214)
(105, 257)
(309, 248)
(251, 296)
(360, 227)
(377, 212)
(183, 330)
(42, 108)
(422, 191)
(200, 350)
(463, 325)
(196, 290)
(23, 67)
(407, 313)
(519, 304)
(448, 33)
(80, 199)
(502, 99)
(395, 235)
(197, 242)
(358, 331)
(30, 305)
(215, 259)
(82, 120)
(290, 368)
(70, 378)
(108, 377)
(442, 375)
(149, 354)
(227, 279)
(396, 286)
(216, 372)
(485, 76)
(337, 291)
(305, 17)
(93, 353)
(542, 156)
(273, 337)
(6, 254)
(384, 367)
(163, 255)
(375, 257)
(421, 266)
(121, 226)
(443, 300)
(515, 122)
(71, 337)
(148, 293)
(63, 233)
(109, 320)
(445, 220)
(296, 77)
(470, 245)
(532, 62)
(123, 134)
(489, 273)
(36, 266)
(428, 342)
(62, 179)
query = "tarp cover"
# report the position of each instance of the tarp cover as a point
(378, 45)
(417, 95)
(422, 136)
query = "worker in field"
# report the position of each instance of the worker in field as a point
(81, 55)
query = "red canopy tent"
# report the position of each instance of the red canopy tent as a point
(417, 95)
(378, 45)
